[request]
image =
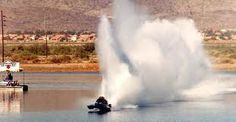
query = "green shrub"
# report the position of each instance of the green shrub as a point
(93, 61)
(35, 60)
(233, 55)
(60, 59)
(81, 53)
(61, 50)
(20, 48)
(90, 47)
(28, 56)
(56, 53)
(16, 58)
(37, 49)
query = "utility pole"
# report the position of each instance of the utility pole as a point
(46, 37)
(45, 32)
(2, 21)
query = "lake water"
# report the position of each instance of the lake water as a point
(64, 96)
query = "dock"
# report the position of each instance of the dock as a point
(14, 88)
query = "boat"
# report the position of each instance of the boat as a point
(12, 85)
(99, 108)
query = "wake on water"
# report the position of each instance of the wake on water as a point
(147, 61)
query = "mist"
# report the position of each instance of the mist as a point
(146, 61)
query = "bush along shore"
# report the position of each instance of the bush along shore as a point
(37, 54)
(82, 57)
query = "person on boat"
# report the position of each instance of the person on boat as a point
(9, 79)
(101, 105)
(9, 76)
(101, 100)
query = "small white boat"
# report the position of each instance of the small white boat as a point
(3, 83)
(12, 67)
(14, 88)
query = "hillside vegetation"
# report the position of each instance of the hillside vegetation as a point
(36, 53)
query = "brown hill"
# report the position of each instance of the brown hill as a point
(61, 15)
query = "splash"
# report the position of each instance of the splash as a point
(146, 61)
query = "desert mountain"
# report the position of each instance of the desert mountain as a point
(78, 15)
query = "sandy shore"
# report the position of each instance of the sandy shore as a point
(224, 67)
(94, 67)
(70, 67)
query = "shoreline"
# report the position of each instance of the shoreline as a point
(94, 67)
(224, 67)
(67, 67)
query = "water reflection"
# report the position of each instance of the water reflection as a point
(13, 101)
(10, 100)
(65, 99)
(56, 100)
(51, 92)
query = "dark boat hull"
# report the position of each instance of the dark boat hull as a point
(99, 108)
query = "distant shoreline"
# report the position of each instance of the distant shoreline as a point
(224, 67)
(94, 67)
(66, 67)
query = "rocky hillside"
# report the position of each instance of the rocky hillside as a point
(55, 15)
(78, 15)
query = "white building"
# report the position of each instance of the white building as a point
(73, 38)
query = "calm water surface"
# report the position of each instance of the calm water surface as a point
(64, 96)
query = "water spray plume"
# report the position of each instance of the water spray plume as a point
(148, 61)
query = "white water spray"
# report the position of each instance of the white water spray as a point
(148, 61)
